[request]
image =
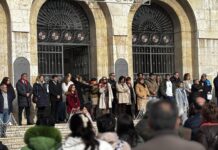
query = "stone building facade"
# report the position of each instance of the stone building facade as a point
(110, 40)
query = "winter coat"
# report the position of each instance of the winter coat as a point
(215, 82)
(11, 91)
(169, 141)
(181, 101)
(123, 94)
(40, 91)
(163, 88)
(94, 91)
(65, 89)
(208, 135)
(141, 91)
(194, 123)
(113, 87)
(54, 91)
(113, 139)
(196, 90)
(73, 102)
(10, 100)
(152, 86)
(207, 87)
(102, 104)
(76, 143)
(174, 80)
(188, 86)
(22, 90)
(81, 88)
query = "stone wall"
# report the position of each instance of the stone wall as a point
(206, 13)
(4, 56)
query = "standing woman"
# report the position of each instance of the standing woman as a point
(182, 101)
(106, 96)
(188, 84)
(72, 100)
(131, 107)
(41, 97)
(65, 85)
(141, 93)
(123, 94)
(10, 88)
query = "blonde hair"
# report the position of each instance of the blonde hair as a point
(38, 78)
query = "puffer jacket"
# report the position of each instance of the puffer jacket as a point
(208, 135)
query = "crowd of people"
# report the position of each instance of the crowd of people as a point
(167, 104)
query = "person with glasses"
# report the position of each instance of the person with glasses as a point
(6, 106)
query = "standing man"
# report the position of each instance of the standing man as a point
(167, 89)
(24, 92)
(152, 86)
(175, 79)
(55, 92)
(112, 82)
(215, 82)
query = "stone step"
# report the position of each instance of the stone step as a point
(15, 134)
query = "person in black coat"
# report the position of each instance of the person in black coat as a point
(215, 82)
(41, 96)
(55, 92)
(113, 83)
(24, 92)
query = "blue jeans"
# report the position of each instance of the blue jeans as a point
(4, 119)
(4, 116)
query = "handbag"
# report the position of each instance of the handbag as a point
(209, 96)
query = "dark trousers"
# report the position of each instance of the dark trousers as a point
(56, 107)
(171, 99)
(115, 106)
(20, 111)
(122, 108)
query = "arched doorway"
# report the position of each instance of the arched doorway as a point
(153, 41)
(63, 39)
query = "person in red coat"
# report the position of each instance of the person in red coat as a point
(73, 102)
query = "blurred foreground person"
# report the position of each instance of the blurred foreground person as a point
(126, 130)
(106, 127)
(195, 119)
(163, 118)
(82, 136)
(208, 132)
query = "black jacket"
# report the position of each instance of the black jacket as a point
(215, 82)
(41, 93)
(81, 89)
(54, 91)
(208, 136)
(10, 100)
(22, 90)
(196, 90)
(163, 88)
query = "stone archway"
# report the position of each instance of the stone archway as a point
(98, 35)
(5, 53)
(184, 34)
